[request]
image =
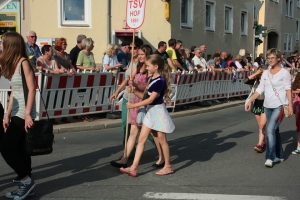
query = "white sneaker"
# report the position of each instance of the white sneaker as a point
(278, 160)
(269, 163)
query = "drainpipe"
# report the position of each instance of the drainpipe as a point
(108, 21)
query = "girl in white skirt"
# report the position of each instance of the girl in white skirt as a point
(157, 119)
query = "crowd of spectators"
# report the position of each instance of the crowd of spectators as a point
(180, 59)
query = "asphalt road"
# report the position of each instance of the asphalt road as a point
(212, 156)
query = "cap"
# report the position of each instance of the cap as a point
(125, 43)
(255, 64)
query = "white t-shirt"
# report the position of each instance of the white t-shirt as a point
(281, 82)
(199, 61)
(238, 65)
(110, 61)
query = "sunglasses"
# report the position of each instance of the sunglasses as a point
(33, 36)
(65, 44)
(135, 48)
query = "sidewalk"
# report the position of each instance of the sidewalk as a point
(100, 123)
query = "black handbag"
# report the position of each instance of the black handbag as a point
(40, 137)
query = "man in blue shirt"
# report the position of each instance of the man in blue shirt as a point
(32, 48)
(75, 51)
(123, 56)
(223, 59)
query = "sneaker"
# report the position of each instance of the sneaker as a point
(216, 101)
(278, 160)
(24, 190)
(297, 151)
(269, 163)
(18, 179)
(11, 195)
(259, 148)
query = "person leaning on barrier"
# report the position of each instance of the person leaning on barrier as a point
(85, 60)
(110, 59)
(62, 57)
(75, 51)
(48, 62)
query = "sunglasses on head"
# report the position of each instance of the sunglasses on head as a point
(131, 48)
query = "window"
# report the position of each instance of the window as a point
(298, 3)
(228, 20)
(289, 8)
(210, 16)
(244, 23)
(187, 13)
(297, 29)
(75, 12)
(287, 42)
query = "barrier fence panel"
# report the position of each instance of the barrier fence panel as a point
(189, 88)
(238, 87)
(216, 86)
(81, 94)
(117, 105)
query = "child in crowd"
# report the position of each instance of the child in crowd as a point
(258, 108)
(157, 119)
(296, 106)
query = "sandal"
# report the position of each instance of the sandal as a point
(165, 171)
(127, 171)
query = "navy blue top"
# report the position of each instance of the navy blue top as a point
(123, 58)
(159, 86)
(223, 64)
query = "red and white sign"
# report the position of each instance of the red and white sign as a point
(135, 13)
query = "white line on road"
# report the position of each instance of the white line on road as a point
(197, 196)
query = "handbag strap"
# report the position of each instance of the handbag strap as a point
(25, 88)
(274, 88)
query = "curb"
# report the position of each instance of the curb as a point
(114, 123)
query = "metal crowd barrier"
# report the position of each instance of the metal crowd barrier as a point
(89, 93)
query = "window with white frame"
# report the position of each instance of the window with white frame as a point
(244, 23)
(187, 13)
(210, 15)
(298, 3)
(228, 19)
(297, 29)
(289, 8)
(287, 46)
(75, 12)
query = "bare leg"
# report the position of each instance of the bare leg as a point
(130, 143)
(159, 149)
(140, 147)
(165, 147)
(261, 125)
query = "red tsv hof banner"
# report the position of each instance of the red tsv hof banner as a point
(135, 13)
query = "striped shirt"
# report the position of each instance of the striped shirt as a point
(18, 106)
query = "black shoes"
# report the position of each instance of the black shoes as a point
(158, 165)
(117, 165)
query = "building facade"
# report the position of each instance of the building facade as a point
(224, 25)
(282, 17)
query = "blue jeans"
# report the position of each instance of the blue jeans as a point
(274, 145)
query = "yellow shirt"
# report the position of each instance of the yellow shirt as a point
(172, 55)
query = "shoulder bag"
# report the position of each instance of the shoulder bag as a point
(40, 137)
(250, 95)
(285, 107)
(142, 110)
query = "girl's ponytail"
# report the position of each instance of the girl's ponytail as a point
(166, 75)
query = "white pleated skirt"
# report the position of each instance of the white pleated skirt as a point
(158, 118)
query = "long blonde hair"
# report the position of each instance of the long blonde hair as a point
(13, 50)
(163, 69)
(110, 49)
